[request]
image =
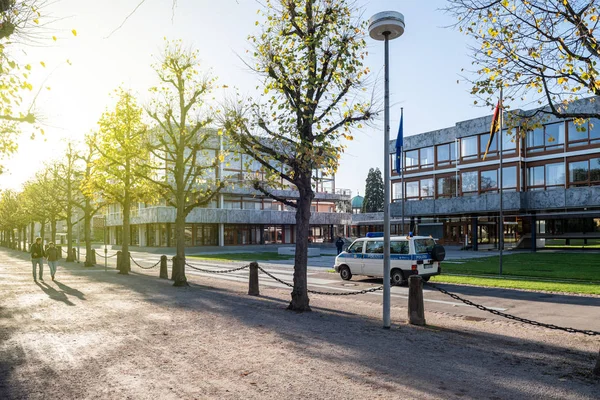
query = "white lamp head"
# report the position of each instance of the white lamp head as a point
(391, 22)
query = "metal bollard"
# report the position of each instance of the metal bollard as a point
(416, 310)
(253, 289)
(164, 274)
(597, 367)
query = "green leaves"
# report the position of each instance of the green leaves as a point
(542, 50)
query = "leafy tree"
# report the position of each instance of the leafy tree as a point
(543, 51)
(66, 175)
(309, 56)
(91, 201)
(122, 158)
(180, 141)
(10, 216)
(18, 20)
(374, 198)
(47, 197)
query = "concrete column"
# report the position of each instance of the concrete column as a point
(474, 229)
(142, 234)
(221, 235)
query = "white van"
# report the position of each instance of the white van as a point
(409, 255)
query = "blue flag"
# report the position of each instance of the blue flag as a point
(400, 143)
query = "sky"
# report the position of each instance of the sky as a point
(82, 71)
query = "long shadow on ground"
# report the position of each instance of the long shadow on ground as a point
(425, 359)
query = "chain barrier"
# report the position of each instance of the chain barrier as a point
(322, 293)
(142, 267)
(210, 271)
(512, 317)
(103, 256)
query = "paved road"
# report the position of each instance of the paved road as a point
(581, 312)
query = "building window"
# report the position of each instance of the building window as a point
(426, 157)
(555, 174)
(446, 186)
(509, 178)
(412, 190)
(509, 141)
(545, 138)
(535, 178)
(397, 191)
(427, 188)
(468, 148)
(483, 142)
(581, 135)
(489, 180)
(411, 159)
(446, 154)
(470, 183)
(546, 176)
(555, 135)
(584, 173)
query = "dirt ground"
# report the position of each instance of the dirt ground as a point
(97, 335)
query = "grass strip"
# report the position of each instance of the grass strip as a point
(507, 283)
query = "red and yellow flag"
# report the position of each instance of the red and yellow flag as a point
(495, 126)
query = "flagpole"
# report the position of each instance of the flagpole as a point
(501, 238)
(402, 169)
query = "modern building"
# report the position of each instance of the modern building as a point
(241, 215)
(550, 182)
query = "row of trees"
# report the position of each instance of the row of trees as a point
(309, 55)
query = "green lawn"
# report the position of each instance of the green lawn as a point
(579, 266)
(256, 256)
(579, 272)
(528, 284)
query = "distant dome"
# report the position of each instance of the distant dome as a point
(357, 201)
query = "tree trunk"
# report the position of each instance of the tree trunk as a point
(53, 231)
(90, 259)
(42, 230)
(125, 262)
(31, 238)
(69, 232)
(19, 237)
(300, 298)
(178, 276)
(24, 230)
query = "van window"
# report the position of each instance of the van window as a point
(399, 247)
(374, 247)
(356, 247)
(423, 246)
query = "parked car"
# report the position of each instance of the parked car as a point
(409, 255)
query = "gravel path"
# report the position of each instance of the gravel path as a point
(97, 335)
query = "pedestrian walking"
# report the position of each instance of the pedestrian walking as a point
(339, 243)
(37, 258)
(52, 256)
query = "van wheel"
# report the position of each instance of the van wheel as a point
(397, 278)
(425, 278)
(345, 273)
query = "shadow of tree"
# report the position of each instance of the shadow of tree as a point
(438, 362)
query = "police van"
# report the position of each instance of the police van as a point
(409, 255)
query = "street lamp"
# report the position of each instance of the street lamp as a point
(386, 25)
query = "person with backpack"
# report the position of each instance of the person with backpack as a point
(52, 255)
(37, 258)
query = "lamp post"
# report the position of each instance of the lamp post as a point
(385, 26)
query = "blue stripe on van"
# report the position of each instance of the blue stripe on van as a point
(379, 256)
